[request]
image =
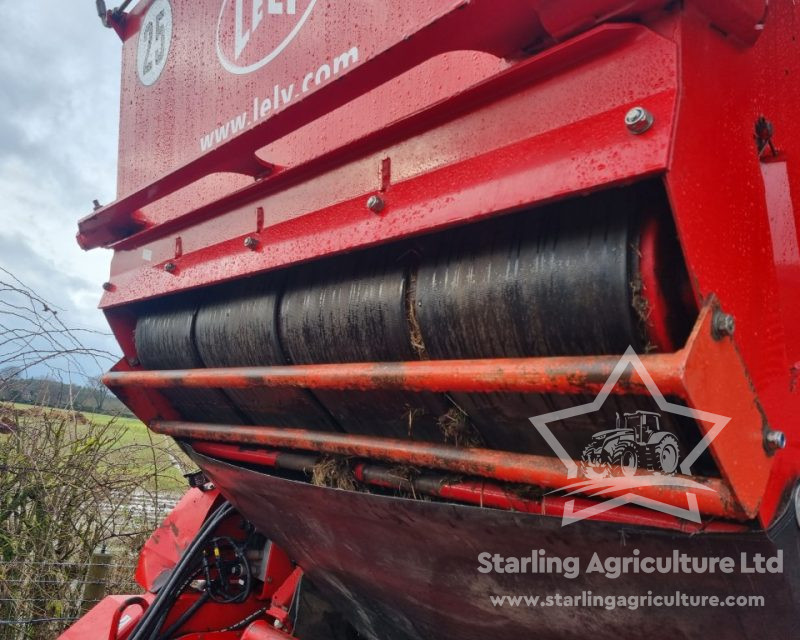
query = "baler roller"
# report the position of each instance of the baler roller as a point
(561, 282)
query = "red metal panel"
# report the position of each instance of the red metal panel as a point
(720, 205)
(112, 617)
(163, 549)
(512, 147)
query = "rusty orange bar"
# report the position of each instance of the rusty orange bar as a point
(576, 374)
(482, 493)
(543, 471)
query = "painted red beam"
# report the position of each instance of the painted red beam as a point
(542, 471)
(575, 374)
(484, 494)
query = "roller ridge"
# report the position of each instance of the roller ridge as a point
(238, 329)
(164, 340)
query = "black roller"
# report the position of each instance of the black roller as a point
(164, 341)
(238, 329)
(552, 282)
(353, 309)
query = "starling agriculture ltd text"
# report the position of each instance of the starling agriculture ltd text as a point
(615, 566)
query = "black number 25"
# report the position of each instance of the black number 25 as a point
(157, 29)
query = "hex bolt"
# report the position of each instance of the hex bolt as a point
(170, 267)
(722, 324)
(774, 440)
(638, 120)
(107, 286)
(277, 624)
(375, 204)
(251, 243)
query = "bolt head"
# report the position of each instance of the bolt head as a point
(169, 267)
(638, 120)
(722, 324)
(251, 242)
(775, 440)
(277, 624)
(375, 204)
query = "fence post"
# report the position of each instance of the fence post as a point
(94, 589)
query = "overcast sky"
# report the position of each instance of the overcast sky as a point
(59, 107)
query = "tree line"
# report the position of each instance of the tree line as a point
(93, 396)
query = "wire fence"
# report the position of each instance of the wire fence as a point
(39, 600)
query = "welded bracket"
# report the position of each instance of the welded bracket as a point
(714, 379)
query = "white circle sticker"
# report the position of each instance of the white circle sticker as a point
(155, 36)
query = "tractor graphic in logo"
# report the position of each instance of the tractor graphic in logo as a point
(638, 443)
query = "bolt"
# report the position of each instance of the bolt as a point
(774, 440)
(169, 267)
(638, 120)
(251, 242)
(107, 286)
(277, 624)
(375, 204)
(722, 324)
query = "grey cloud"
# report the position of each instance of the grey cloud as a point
(59, 107)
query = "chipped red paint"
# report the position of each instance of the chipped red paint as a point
(522, 375)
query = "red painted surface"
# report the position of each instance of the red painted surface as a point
(491, 147)
(163, 549)
(261, 630)
(112, 617)
(719, 203)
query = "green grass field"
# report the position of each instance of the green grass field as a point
(134, 441)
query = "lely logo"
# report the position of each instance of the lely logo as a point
(252, 33)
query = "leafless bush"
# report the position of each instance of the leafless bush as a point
(69, 485)
(33, 336)
(67, 488)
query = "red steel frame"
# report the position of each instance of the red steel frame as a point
(522, 133)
